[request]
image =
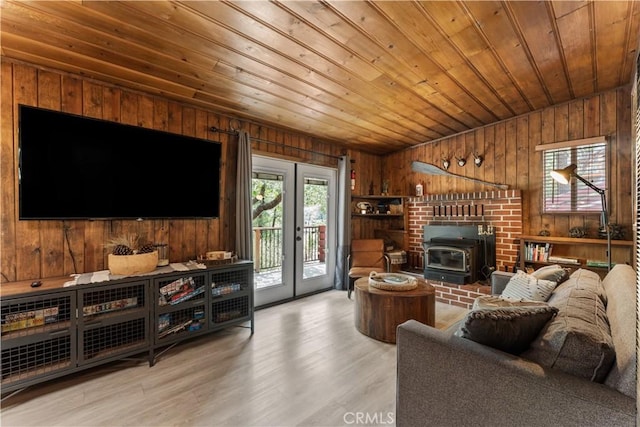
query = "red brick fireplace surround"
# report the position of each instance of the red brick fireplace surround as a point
(501, 209)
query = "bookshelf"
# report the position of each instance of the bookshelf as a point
(381, 217)
(537, 251)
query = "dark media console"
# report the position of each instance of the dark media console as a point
(51, 330)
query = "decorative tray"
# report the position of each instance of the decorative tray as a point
(212, 262)
(392, 281)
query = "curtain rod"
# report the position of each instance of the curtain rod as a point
(279, 144)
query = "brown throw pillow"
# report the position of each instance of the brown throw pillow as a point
(507, 328)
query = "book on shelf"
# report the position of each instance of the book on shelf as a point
(599, 263)
(564, 260)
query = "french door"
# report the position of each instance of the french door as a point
(294, 216)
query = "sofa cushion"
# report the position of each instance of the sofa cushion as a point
(586, 279)
(507, 327)
(523, 286)
(620, 286)
(555, 273)
(578, 340)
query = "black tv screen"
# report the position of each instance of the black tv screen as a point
(74, 167)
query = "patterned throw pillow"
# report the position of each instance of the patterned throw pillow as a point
(523, 286)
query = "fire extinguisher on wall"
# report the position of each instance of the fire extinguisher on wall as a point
(353, 179)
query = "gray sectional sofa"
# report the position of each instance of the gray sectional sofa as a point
(446, 380)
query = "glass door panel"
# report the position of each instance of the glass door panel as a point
(315, 236)
(273, 216)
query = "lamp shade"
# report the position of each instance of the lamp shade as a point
(564, 175)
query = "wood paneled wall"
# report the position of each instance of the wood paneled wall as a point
(37, 249)
(508, 148)
(368, 179)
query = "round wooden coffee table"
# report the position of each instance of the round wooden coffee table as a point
(378, 313)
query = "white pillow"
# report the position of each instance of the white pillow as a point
(523, 286)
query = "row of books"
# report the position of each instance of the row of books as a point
(29, 319)
(538, 252)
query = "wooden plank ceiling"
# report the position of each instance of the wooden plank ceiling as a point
(375, 76)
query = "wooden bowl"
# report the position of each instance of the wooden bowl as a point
(129, 265)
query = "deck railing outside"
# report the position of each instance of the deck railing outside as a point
(267, 246)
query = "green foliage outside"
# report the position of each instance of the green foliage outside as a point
(267, 203)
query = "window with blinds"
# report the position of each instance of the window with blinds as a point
(591, 161)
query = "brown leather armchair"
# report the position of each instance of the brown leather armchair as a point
(366, 255)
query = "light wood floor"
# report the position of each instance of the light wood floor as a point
(305, 365)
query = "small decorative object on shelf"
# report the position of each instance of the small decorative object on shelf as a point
(544, 233)
(217, 258)
(130, 255)
(617, 232)
(577, 232)
(419, 190)
(163, 256)
(364, 207)
(385, 187)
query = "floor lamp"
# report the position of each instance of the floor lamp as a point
(563, 176)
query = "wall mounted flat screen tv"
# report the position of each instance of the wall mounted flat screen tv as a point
(74, 167)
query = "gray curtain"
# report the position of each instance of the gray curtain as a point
(244, 232)
(344, 223)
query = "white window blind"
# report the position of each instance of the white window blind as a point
(591, 161)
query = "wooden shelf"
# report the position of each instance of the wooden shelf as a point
(381, 225)
(576, 241)
(579, 249)
(378, 215)
(374, 197)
